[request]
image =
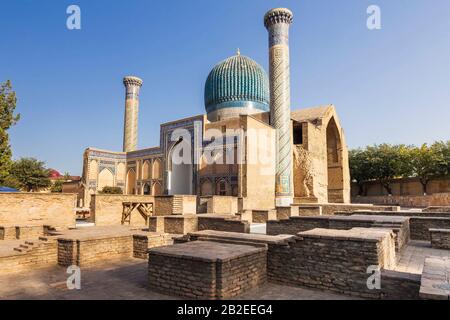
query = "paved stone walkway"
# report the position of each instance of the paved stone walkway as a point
(122, 280)
(413, 256)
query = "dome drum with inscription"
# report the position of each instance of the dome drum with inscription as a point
(237, 85)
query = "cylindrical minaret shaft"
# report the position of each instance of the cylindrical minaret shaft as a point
(130, 131)
(277, 22)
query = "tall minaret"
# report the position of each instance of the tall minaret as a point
(130, 130)
(277, 22)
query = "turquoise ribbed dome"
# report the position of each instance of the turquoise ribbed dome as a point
(237, 82)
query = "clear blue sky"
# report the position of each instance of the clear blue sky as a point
(390, 85)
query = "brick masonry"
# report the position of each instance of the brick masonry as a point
(24, 209)
(440, 238)
(420, 226)
(40, 253)
(207, 270)
(334, 260)
(190, 223)
(400, 225)
(143, 242)
(84, 252)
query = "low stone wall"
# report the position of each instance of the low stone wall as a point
(218, 205)
(295, 225)
(399, 285)
(107, 210)
(174, 224)
(29, 232)
(334, 260)
(420, 226)
(222, 224)
(436, 199)
(88, 251)
(399, 225)
(8, 233)
(396, 214)
(143, 242)
(43, 253)
(310, 210)
(328, 209)
(440, 238)
(206, 270)
(394, 285)
(191, 223)
(445, 209)
(287, 212)
(262, 216)
(55, 209)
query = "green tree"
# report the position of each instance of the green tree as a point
(444, 149)
(360, 169)
(388, 162)
(31, 174)
(57, 186)
(425, 163)
(67, 176)
(8, 102)
(111, 190)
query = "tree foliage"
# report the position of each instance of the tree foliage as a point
(30, 174)
(111, 190)
(385, 163)
(7, 120)
(57, 186)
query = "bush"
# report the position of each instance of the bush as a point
(111, 190)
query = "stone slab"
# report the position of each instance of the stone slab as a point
(206, 251)
(435, 283)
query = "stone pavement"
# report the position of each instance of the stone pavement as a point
(122, 280)
(413, 256)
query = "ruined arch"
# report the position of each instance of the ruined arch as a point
(334, 163)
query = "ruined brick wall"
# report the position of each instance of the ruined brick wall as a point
(223, 224)
(218, 204)
(440, 238)
(107, 209)
(295, 225)
(397, 214)
(262, 216)
(141, 244)
(202, 279)
(8, 233)
(420, 226)
(439, 209)
(42, 254)
(29, 232)
(55, 209)
(90, 251)
(435, 199)
(399, 285)
(333, 264)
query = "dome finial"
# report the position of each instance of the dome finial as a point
(238, 52)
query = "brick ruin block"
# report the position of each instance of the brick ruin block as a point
(207, 270)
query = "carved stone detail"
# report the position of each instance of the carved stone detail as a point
(303, 172)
